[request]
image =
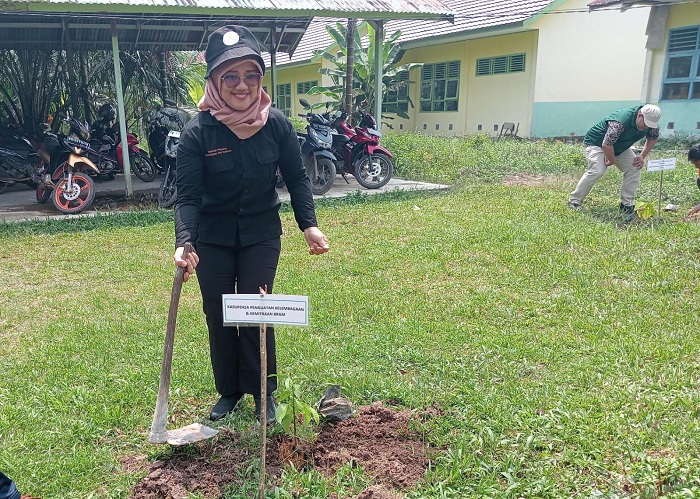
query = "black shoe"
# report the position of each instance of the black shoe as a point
(224, 407)
(626, 209)
(574, 206)
(270, 412)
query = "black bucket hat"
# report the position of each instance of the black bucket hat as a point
(231, 42)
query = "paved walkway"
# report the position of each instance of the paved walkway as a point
(19, 201)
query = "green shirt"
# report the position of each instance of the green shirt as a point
(631, 134)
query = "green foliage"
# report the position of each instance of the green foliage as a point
(364, 77)
(448, 159)
(645, 210)
(298, 123)
(510, 322)
(296, 417)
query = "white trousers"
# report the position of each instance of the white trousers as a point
(596, 169)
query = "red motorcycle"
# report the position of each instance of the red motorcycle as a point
(106, 148)
(358, 151)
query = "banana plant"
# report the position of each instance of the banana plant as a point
(364, 77)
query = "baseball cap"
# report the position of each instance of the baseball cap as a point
(651, 114)
(231, 42)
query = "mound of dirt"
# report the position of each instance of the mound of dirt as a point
(376, 438)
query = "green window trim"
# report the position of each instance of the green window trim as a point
(305, 86)
(681, 77)
(398, 96)
(439, 90)
(502, 64)
(283, 98)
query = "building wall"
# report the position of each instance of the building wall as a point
(678, 117)
(296, 75)
(588, 64)
(485, 102)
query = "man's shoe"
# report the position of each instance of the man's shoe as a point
(270, 412)
(574, 206)
(224, 407)
(626, 209)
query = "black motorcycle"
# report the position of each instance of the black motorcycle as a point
(319, 160)
(163, 137)
(19, 163)
(167, 194)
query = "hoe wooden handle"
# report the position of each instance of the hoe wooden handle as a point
(159, 433)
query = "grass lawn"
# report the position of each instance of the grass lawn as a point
(560, 348)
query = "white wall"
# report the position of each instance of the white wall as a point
(590, 56)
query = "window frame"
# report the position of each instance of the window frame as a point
(692, 80)
(399, 98)
(303, 87)
(284, 91)
(501, 64)
(436, 103)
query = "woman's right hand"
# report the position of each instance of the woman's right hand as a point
(190, 262)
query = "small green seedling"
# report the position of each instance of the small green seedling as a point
(645, 210)
(292, 412)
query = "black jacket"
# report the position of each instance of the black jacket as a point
(226, 185)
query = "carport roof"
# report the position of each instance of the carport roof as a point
(175, 25)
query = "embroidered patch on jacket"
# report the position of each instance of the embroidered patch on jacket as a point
(217, 152)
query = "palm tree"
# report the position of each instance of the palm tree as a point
(394, 75)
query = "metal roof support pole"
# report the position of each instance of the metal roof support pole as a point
(120, 109)
(378, 70)
(273, 64)
(163, 75)
(349, 66)
(70, 69)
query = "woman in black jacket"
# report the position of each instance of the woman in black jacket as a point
(227, 206)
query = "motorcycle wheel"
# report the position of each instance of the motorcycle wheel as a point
(167, 194)
(323, 181)
(76, 197)
(42, 194)
(3, 187)
(374, 174)
(144, 168)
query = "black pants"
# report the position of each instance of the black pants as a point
(235, 351)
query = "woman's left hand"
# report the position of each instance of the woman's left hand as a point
(318, 244)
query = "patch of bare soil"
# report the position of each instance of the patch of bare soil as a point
(377, 438)
(530, 180)
(139, 201)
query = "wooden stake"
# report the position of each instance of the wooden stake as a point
(263, 401)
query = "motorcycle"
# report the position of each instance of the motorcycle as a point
(106, 150)
(167, 194)
(318, 159)
(163, 137)
(163, 121)
(358, 150)
(67, 179)
(19, 163)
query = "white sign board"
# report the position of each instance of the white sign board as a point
(656, 165)
(241, 310)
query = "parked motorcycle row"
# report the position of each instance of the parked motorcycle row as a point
(62, 167)
(331, 146)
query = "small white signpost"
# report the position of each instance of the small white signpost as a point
(659, 165)
(264, 309)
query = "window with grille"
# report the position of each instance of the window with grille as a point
(397, 94)
(682, 71)
(305, 86)
(502, 64)
(439, 86)
(283, 97)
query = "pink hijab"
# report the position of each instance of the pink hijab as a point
(243, 123)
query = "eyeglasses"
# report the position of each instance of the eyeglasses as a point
(250, 79)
